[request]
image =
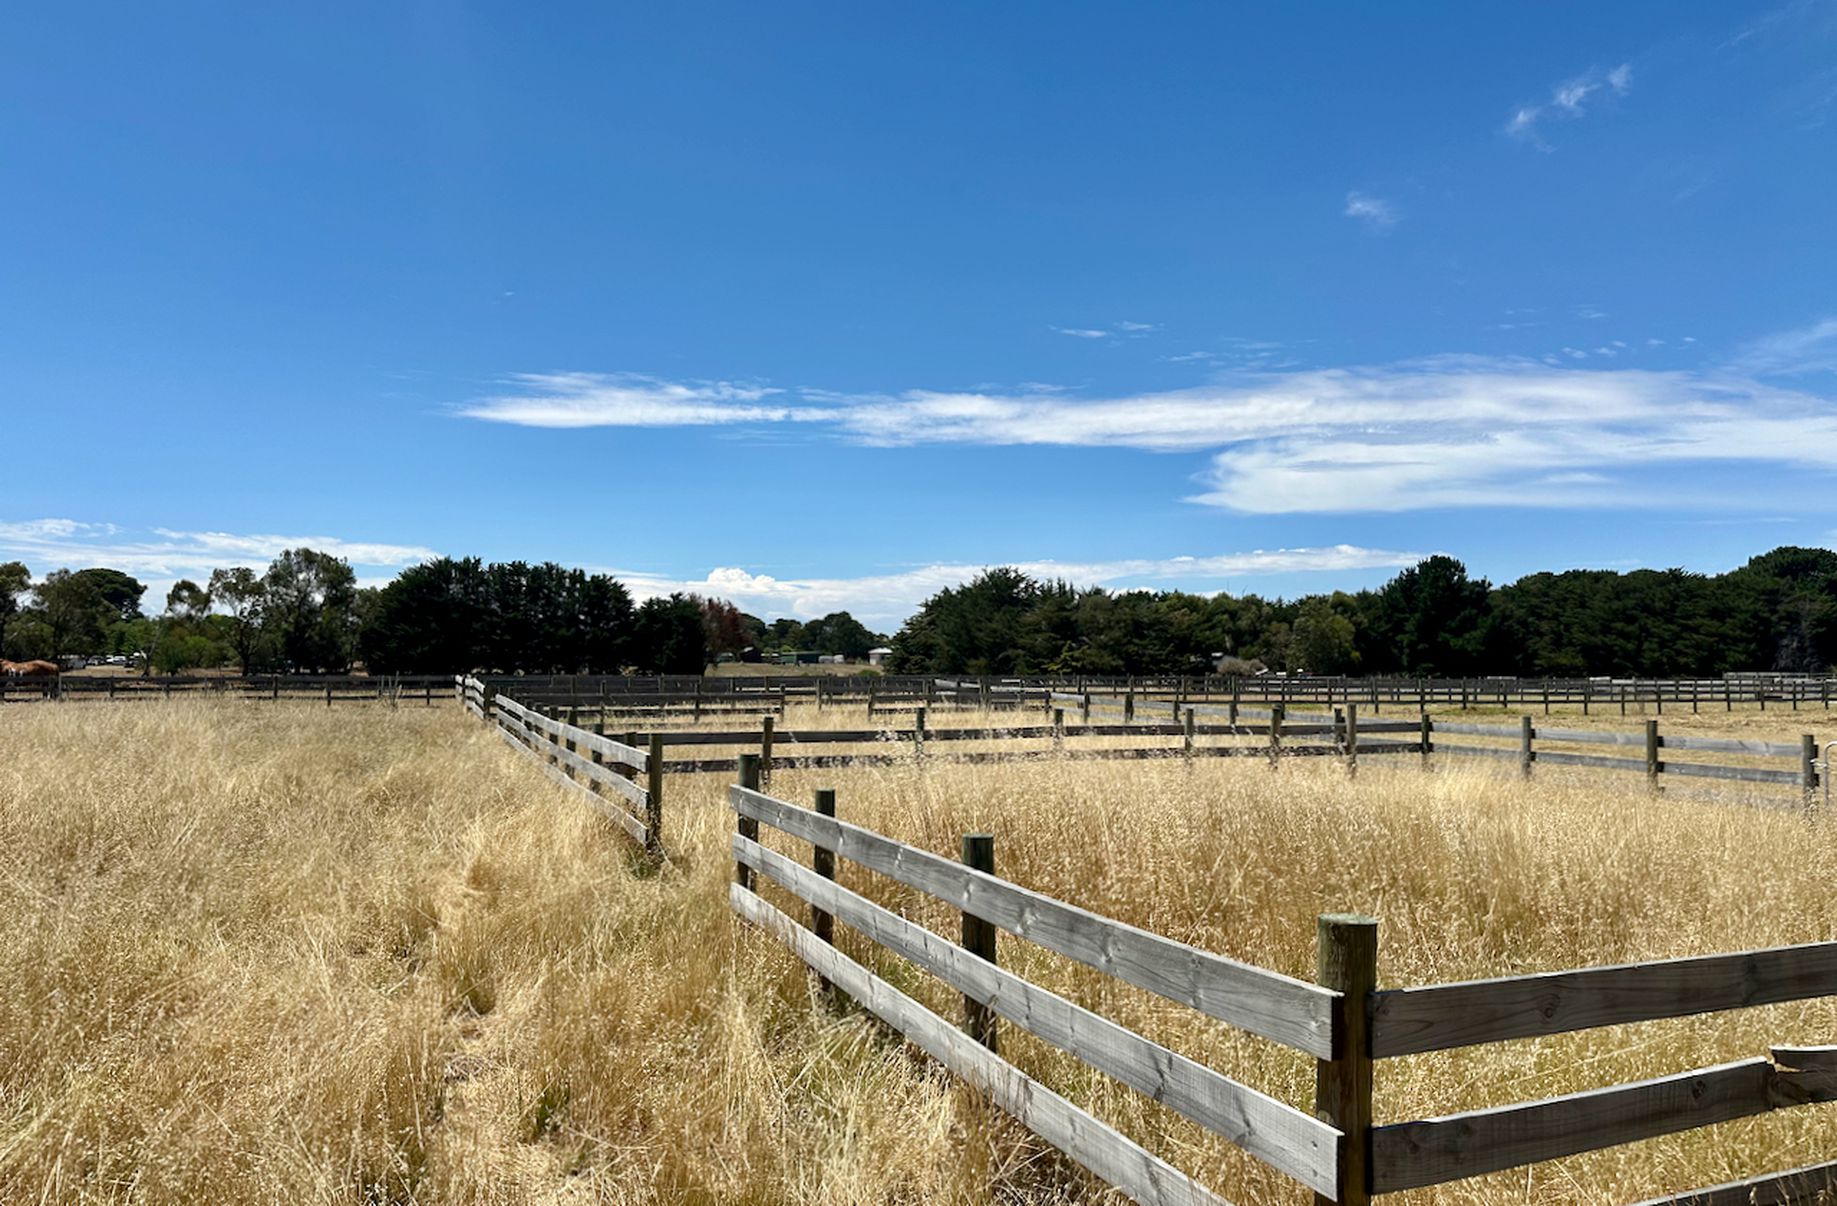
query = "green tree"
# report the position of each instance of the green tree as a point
(117, 591)
(668, 637)
(1323, 639)
(188, 602)
(311, 609)
(71, 607)
(15, 581)
(243, 597)
(1436, 618)
(840, 633)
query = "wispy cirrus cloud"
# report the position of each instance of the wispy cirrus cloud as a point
(161, 556)
(625, 400)
(1569, 99)
(886, 599)
(1116, 330)
(1375, 212)
(1808, 349)
(1438, 432)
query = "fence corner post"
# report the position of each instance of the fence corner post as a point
(1186, 738)
(1653, 765)
(749, 828)
(823, 862)
(1808, 770)
(1352, 740)
(765, 752)
(979, 939)
(1428, 745)
(1526, 754)
(653, 797)
(1276, 712)
(1348, 964)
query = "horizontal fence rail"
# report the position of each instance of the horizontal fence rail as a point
(1291, 1011)
(1340, 1152)
(603, 771)
(1232, 729)
(311, 688)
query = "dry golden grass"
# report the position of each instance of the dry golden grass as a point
(276, 953)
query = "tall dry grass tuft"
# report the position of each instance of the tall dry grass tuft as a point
(269, 953)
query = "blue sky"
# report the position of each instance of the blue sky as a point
(821, 306)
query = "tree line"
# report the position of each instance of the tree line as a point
(306, 614)
(1777, 612)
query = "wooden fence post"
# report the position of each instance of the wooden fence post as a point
(1428, 746)
(1187, 739)
(1808, 770)
(1129, 707)
(1276, 713)
(1352, 740)
(1085, 715)
(1348, 964)
(979, 939)
(918, 735)
(1058, 730)
(1653, 765)
(823, 862)
(653, 796)
(749, 828)
(1525, 753)
(765, 753)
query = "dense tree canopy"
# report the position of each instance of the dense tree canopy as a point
(306, 614)
(1777, 612)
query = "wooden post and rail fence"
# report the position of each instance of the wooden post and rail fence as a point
(1345, 1021)
(1229, 730)
(604, 772)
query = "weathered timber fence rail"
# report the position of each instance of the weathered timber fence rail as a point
(1346, 1022)
(907, 692)
(603, 771)
(797, 749)
(1270, 733)
(1289, 1011)
(425, 689)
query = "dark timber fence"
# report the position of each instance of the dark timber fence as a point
(1346, 1022)
(1177, 728)
(426, 689)
(694, 694)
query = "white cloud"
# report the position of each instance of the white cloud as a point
(1569, 99)
(1125, 330)
(1443, 431)
(626, 400)
(1375, 212)
(886, 599)
(161, 556)
(1811, 349)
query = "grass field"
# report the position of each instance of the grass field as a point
(285, 953)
